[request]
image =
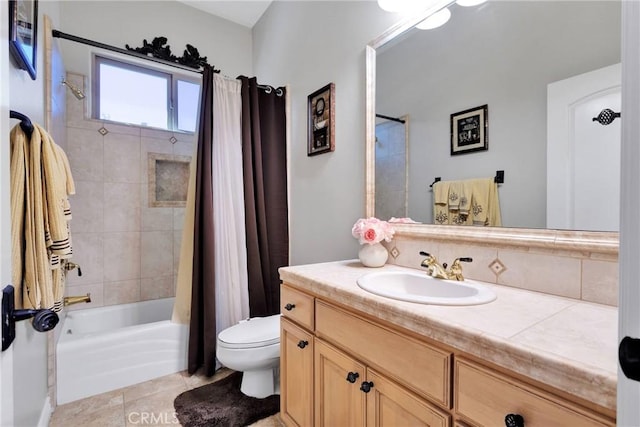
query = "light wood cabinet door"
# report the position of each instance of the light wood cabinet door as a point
(338, 398)
(389, 405)
(296, 375)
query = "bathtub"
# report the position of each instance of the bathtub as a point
(106, 348)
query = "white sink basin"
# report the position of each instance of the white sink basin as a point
(424, 289)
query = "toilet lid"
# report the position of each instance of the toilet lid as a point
(255, 332)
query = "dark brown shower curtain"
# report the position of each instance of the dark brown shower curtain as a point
(264, 155)
(202, 327)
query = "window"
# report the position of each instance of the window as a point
(133, 94)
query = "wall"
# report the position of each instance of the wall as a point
(496, 54)
(307, 45)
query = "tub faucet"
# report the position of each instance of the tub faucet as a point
(76, 299)
(438, 271)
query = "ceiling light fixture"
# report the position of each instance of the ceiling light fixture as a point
(401, 6)
(467, 3)
(436, 20)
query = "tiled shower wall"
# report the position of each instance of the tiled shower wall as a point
(391, 166)
(127, 251)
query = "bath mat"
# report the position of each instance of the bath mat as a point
(222, 404)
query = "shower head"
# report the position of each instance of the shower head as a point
(74, 90)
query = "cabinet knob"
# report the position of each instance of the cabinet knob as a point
(303, 344)
(514, 420)
(366, 386)
(352, 377)
(289, 307)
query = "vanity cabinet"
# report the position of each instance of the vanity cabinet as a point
(343, 367)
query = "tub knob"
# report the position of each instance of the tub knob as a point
(71, 265)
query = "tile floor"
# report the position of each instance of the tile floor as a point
(126, 407)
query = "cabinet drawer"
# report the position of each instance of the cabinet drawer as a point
(422, 368)
(485, 397)
(297, 306)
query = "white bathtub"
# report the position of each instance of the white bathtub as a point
(106, 348)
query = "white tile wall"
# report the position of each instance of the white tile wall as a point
(127, 250)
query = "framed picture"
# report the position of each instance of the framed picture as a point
(469, 130)
(23, 33)
(321, 114)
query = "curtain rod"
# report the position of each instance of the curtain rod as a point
(390, 118)
(61, 35)
(71, 37)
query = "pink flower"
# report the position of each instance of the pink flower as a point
(372, 230)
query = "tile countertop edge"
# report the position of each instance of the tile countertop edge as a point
(579, 379)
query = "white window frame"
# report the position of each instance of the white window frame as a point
(171, 77)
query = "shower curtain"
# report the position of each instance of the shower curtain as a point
(264, 147)
(215, 285)
(214, 296)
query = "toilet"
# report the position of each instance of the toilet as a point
(253, 347)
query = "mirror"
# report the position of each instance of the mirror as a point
(23, 33)
(511, 56)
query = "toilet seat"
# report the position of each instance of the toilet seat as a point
(254, 332)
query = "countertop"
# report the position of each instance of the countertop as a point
(566, 343)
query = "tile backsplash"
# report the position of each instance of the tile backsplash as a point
(573, 273)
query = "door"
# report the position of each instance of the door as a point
(6, 357)
(338, 398)
(629, 314)
(583, 156)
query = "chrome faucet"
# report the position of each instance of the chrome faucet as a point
(438, 271)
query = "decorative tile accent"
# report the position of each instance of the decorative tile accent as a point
(394, 252)
(103, 131)
(173, 139)
(497, 267)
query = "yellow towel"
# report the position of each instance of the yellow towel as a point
(460, 202)
(455, 193)
(40, 184)
(485, 205)
(441, 202)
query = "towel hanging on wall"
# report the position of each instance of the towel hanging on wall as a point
(41, 182)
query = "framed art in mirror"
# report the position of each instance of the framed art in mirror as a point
(321, 127)
(23, 33)
(469, 130)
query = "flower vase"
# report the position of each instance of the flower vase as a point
(374, 255)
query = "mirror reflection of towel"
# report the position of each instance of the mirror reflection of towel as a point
(485, 205)
(467, 202)
(441, 202)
